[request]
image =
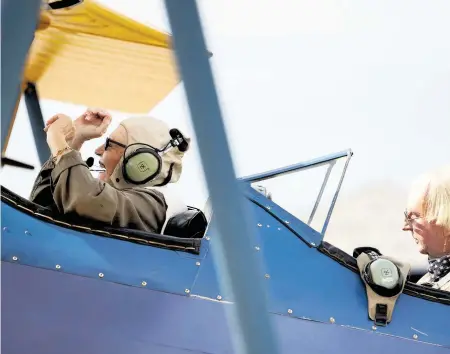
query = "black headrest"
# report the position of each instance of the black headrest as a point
(189, 224)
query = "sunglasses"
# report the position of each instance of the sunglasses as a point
(110, 142)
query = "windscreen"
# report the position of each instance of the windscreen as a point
(308, 191)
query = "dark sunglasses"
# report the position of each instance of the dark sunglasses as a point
(110, 142)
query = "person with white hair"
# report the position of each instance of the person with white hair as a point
(139, 159)
(428, 219)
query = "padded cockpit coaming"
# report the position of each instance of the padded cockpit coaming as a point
(410, 288)
(190, 245)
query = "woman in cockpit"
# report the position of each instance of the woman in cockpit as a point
(428, 219)
(140, 158)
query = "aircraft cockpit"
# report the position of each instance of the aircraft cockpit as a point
(317, 183)
(328, 271)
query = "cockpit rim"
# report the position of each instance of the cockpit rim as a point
(412, 289)
(189, 245)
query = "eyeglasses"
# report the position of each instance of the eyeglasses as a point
(110, 142)
(410, 219)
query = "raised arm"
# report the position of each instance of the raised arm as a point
(77, 191)
(41, 192)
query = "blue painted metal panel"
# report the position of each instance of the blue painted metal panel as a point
(41, 244)
(207, 283)
(316, 287)
(46, 312)
(299, 278)
(306, 233)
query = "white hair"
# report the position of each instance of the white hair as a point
(436, 198)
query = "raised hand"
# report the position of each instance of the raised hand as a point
(60, 124)
(59, 129)
(90, 125)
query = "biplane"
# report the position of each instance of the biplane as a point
(71, 287)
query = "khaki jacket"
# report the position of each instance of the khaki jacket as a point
(69, 188)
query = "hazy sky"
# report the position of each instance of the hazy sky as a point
(298, 79)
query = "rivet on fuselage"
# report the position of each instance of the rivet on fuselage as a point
(257, 248)
(5, 228)
(290, 311)
(219, 297)
(57, 266)
(208, 238)
(259, 225)
(197, 264)
(415, 336)
(101, 275)
(268, 207)
(332, 320)
(144, 283)
(287, 222)
(28, 233)
(14, 258)
(267, 276)
(187, 291)
(313, 244)
(374, 328)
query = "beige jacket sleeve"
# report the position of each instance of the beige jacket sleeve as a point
(75, 190)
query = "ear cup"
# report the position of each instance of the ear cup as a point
(141, 166)
(383, 277)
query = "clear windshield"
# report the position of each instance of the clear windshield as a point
(307, 190)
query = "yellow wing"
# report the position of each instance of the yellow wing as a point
(92, 56)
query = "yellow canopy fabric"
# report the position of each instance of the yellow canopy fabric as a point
(92, 56)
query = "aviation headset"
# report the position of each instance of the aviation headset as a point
(145, 163)
(383, 276)
(384, 279)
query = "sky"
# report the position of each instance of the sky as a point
(300, 79)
